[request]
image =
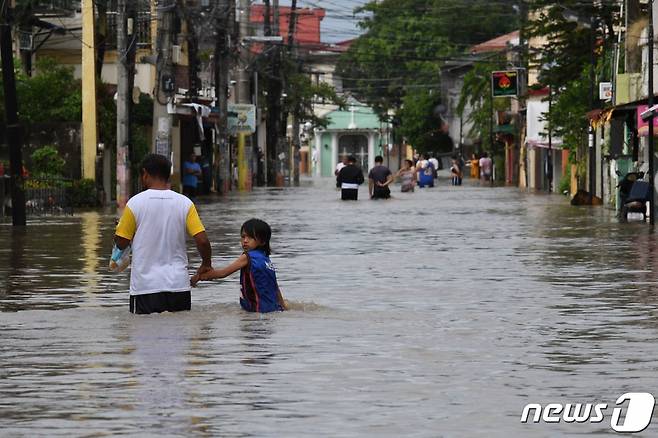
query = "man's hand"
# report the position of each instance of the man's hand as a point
(203, 273)
(203, 269)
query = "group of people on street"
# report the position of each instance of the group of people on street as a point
(421, 173)
(482, 167)
(154, 225)
(349, 177)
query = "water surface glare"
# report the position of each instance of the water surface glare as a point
(438, 313)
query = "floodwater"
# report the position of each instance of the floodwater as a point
(438, 313)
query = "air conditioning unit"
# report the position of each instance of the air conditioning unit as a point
(176, 54)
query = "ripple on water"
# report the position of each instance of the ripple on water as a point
(439, 313)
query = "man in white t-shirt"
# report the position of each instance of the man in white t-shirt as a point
(155, 223)
(486, 168)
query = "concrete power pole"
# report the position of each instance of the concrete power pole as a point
(165, 82)
(274, 90)
(14, 139)
(222, 162)
(295, 121)
(125, 72)
(244, 97)
(89, 126)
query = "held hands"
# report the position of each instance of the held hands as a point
(203, 273)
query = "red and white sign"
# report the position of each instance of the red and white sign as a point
(605, 90)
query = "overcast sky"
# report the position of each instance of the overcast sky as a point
(339, 24)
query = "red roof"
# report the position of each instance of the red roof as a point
(307, 28)
(497, 44)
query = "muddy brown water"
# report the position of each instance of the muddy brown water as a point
(438, 313)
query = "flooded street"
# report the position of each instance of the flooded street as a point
(438, 313)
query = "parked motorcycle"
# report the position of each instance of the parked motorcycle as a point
(634, 194)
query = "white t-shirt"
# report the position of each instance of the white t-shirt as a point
(339, 166)
(156, 222)
(485, 166)
(435, 162)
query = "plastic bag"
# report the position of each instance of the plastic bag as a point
(120, 259)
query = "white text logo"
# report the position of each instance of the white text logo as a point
(636, 418)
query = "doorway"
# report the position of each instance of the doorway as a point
(354, 144)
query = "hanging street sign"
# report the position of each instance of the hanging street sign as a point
(241, 118)
(605, 91)
(505, 83)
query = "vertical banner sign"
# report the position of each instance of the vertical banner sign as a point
(505, 83)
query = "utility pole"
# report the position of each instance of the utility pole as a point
(244, 97)
(592, 131)
(125, 71)
(100, 42)
(549, 160)
(26, 52)
(14, 140)
(295, 121)
(166, 80)
(89, 126)
(650, 104)
(221, 58)
(274, 177)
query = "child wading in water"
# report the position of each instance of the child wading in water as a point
(260, 290)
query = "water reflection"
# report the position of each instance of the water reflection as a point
(91, 245)
(159, 343)
(15, 260)
(256, 332)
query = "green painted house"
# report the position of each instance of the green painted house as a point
(357, 131)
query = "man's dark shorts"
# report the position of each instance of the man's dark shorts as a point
(349, 194)
(160, 302)
(381, 192)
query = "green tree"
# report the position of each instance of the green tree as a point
(420, 123)
(396, 63)
(476, 95)
(52, 94)
(302, 94)
(47, 162)
(566, 62)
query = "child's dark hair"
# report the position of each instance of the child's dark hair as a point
(259, 230)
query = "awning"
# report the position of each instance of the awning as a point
(505, 129)
(555, 143)
(201, 112)
(642, 126)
